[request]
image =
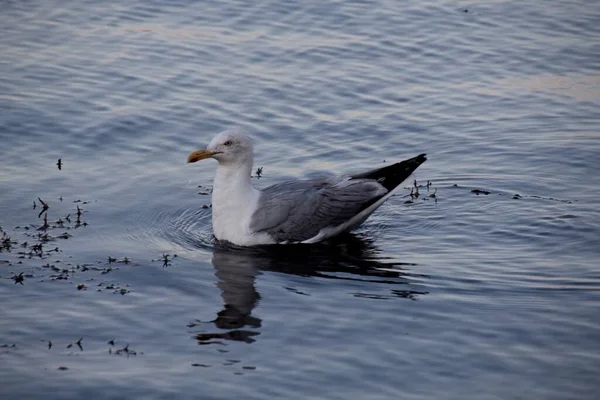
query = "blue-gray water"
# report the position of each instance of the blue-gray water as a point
(487, 296)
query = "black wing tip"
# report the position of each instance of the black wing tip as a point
(421, 158)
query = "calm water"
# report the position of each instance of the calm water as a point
(475, 295)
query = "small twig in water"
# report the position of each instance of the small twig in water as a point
(45, 206)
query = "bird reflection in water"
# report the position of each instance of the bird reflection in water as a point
(348, 257)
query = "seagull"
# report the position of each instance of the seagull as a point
(298, 211)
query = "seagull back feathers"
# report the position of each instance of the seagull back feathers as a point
(298, 210)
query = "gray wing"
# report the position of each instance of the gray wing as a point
(298, 210)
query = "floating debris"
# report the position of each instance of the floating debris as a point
(414, 192)
(34, 247)
(78, 221)
(6, 242)
(45, 226)
(45, 206)
(125, 350)
(18, 278)
(480, 191)
(37, 250)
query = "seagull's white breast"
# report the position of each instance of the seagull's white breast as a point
(232, 209)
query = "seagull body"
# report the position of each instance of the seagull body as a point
(302, 211)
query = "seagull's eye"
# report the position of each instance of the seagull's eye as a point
(228, 143)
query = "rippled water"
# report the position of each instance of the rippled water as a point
(490, 294)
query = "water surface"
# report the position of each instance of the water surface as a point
(488, 294)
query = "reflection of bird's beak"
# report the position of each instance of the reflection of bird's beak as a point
(199, 155)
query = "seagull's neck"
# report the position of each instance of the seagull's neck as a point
(232, 190)
(234, 200)
(233, 179)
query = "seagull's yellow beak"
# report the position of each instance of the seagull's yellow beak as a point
(199, 155)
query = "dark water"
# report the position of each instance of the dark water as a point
(488, 296)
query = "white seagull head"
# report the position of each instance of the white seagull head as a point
(232, 146)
